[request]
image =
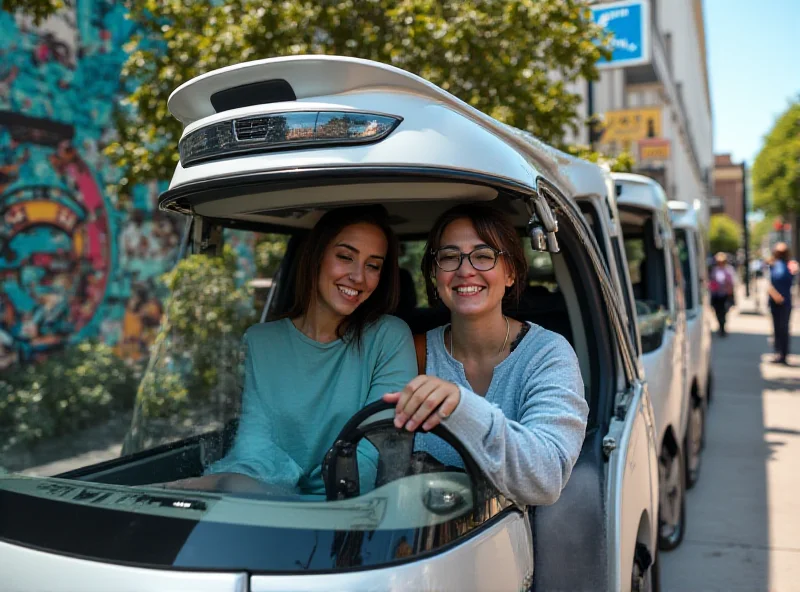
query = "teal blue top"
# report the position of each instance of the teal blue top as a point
(299, 393)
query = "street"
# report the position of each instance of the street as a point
(743, 517)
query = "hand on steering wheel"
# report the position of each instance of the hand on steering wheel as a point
(395, 450)
(425, 401)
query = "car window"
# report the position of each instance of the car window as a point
(648, 275)
(682, 242)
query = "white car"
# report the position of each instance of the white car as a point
(655, 273)
(267, 147)
(691, 237)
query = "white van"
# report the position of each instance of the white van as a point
(690, 238)
(257, 163)
(656, 278)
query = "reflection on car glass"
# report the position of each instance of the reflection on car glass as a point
(108, 496)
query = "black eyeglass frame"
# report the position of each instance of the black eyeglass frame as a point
(497, 254)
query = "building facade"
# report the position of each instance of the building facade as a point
(728, 195)
(653, 99)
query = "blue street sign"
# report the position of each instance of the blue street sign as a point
(629, 23)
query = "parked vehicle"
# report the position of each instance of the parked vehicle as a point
(690, 238)
(656, 279)
(267, 147)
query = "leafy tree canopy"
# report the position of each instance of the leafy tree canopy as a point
(760, 230)
(622, 163)
(38, 10)
(724, 234)
(776, 171)
(512, 60)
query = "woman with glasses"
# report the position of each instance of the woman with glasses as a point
(512, 392)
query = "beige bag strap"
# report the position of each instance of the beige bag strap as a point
(421, 345)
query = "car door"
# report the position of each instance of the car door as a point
(632, 485)
(630, 442)
(703, 321)
(631, 447)
(675, 339)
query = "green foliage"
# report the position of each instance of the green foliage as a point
(512, 60)
(194, 376)
(760, 230)
(70, 390)
(411, 259)
(270, 249)
(38, 10)
(622, 163)
(724, 234)
(776, 171)
(205, 302)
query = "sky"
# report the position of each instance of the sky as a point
(754, 68)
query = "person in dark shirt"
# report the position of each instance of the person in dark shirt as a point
(780, 300)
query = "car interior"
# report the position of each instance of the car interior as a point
(562, 295)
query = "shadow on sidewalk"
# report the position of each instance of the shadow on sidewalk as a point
(727, 543)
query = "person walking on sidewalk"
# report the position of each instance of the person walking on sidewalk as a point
(721, 287)
(781, 279)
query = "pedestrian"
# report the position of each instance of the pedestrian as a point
(780, 300)
(721, 288)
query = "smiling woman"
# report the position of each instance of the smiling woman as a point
(335, 351)
(511, 391)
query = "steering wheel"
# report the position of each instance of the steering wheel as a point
(375, 423)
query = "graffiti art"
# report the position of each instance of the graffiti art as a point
(55, 252)
(74, 264)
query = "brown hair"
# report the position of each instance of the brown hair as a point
(382, 301)
(781, 251)
(495, 229)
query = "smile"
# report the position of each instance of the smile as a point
(468, 290)
(350, 293)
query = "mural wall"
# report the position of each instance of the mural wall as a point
(74, 264)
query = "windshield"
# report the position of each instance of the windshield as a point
(185, 416)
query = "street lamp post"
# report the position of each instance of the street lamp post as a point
(746, 232)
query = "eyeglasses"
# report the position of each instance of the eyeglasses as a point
(482, 258)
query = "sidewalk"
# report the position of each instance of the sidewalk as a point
(743, 517)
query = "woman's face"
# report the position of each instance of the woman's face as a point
(467, 291)
(351, 268)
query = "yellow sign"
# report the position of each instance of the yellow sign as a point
(654, 149)
(631, 125)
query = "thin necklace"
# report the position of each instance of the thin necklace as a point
(505, 341)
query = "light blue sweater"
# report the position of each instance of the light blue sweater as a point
(527, 432)
(299, 393)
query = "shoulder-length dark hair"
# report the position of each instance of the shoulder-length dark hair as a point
(382, 301)
(495, 229)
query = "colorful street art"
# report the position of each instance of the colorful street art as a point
(74, 264)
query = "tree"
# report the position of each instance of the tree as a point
(776, 171)
(194, 374)
(38, 10)
(622, 163)
(724, 234)
(512, 60)
(760, 230)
